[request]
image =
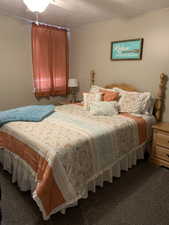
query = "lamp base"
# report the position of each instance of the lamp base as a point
(73, 93)
(73, 98)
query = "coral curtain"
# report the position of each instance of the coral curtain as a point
(50, 60)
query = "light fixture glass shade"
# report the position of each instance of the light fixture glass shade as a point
(73, 82)
(37, 5)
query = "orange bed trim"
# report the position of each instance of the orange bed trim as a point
(47, 190)
(141, 124)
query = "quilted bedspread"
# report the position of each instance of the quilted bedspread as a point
(70, 148)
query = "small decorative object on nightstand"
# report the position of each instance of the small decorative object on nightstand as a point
(160, 151)
(73, 85)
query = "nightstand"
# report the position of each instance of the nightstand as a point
(160, 150)
(63, 102)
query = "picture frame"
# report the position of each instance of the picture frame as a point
(131, 49)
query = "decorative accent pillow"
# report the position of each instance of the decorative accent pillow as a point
(109, 95)
(134, 102)
(104, 108)
(89, 98)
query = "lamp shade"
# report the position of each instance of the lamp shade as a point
(37, 5)
(73, 82)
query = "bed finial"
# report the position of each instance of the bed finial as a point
(92, 77)
(159, 105)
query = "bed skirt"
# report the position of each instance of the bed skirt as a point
(24, 179)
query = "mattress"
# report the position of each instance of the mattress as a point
(70, 152)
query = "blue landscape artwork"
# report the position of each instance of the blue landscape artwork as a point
(127, 50)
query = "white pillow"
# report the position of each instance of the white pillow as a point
(116, 89)
(89, 98)
(121, 91)
(95, 88)
(145, 99)
(104, 108)
(134, 102)
(150, 106)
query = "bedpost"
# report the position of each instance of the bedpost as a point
(92, 77)
(159, 105)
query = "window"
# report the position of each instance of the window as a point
(50, 60)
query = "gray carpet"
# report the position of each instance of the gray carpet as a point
(139, 197)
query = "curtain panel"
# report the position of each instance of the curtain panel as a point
(50, 59)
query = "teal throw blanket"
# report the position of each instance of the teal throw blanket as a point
(33, 113)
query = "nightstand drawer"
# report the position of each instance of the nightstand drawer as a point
(162, 153)
(162, 140)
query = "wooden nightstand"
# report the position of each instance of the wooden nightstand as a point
(63, 102)
(160, 150)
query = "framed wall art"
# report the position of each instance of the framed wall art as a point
(131, 49)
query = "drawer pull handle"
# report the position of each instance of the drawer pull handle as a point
(168, 155)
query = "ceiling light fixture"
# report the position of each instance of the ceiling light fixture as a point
(37, 6)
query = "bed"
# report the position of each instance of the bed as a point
(69, 153)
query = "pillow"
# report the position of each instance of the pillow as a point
(89, 98)
(116, 89)
(109, 95)
(150, 106)
(104, 108)
(148, 103)
(134, 102)
(121, 91)
(96, 88)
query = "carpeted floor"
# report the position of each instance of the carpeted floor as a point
(139, 197)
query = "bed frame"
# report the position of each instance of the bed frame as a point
(160, 97)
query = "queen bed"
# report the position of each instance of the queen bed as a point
(72, 151)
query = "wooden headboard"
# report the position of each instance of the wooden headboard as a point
(160, 97)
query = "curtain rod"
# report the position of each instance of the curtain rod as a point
(33, 21)
(42, 23)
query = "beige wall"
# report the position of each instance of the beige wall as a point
(91, 50)
(15, 64)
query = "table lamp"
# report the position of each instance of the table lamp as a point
(73, 84)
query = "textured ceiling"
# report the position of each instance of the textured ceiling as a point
(78, 12)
